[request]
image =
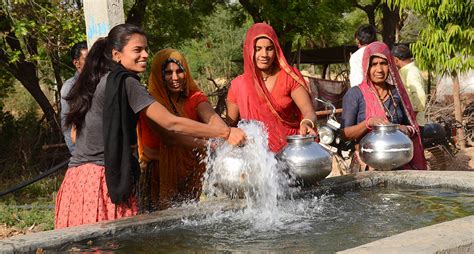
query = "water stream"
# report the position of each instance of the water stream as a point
(275, 221)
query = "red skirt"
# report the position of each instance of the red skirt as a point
(83, 198)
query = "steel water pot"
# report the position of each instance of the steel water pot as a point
(305, 159)
(386, 147)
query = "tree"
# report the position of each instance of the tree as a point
(169, 23)
(445, 44)
(293, 19)
(33, 35)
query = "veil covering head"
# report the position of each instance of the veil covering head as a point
(176, 171)
(255, 101)
(374, 105)
(156, 84)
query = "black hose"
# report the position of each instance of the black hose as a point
(54, 169)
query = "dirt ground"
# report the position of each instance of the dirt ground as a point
(463, 161)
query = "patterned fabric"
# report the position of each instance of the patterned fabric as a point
(373, 106)
(174, 172)
(275, 109)
(83, 198)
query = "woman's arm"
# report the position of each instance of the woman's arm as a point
(160, 115)
(206, 114)
(232, 115)
(356, 132)
(301, 98)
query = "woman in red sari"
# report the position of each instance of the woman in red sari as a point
(171, 168)
(270, 90)
(381, 98)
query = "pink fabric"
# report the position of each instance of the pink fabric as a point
(373, 106)
(83, 198)
(275, 109)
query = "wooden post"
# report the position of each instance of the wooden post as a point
(101, 16)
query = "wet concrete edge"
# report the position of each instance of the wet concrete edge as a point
(460, 231)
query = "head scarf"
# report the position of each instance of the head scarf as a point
(174, 166)
(258, 99)
(374, 106)
(156, 83)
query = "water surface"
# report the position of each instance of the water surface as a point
(323, 224)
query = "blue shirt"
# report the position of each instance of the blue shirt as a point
(353, 108)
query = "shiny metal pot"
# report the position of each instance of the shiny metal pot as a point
(231, 173)
(386, 147)
(307, 160)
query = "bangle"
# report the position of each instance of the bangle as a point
(228, 133)
(367, 124)
(411, 130)
(306, 119)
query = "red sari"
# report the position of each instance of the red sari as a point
(373, 106)
(276, 109)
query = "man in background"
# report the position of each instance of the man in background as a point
(78, 55)
(412, 79)
(364, 35)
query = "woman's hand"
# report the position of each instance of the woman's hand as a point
(376, 120)
(407, 130)
(236, 137)
(404, 129)
(306, 129)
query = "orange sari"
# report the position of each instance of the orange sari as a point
(174, 172)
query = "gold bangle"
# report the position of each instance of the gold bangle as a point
(306, 119)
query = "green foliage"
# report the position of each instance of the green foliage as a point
(169, 23)
(305, 21)
(445, 44)
(212, 54)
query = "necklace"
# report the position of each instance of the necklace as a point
(266, 78)
(391, 101)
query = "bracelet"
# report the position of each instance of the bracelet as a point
(411, 130)
(367, 124)
(228, 133)
(306, 119)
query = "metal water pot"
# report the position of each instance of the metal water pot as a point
(307, 160)
(386, 147)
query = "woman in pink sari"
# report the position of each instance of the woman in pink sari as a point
(270, 90)
(380, 98)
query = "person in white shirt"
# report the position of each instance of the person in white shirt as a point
(364, 35)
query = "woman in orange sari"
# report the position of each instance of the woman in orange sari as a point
(171, 168)
(270, 90)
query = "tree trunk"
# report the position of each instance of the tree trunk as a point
(136, 14)
(57, 75)
(368, 9)
(390, 22)
(457, 110)
(25, 72)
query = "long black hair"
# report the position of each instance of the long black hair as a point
(98, 63)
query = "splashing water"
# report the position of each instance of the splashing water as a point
(250, 172)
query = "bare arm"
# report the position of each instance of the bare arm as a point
(73, 133)
(206, 113)
(233, 115)
(301, 98)
(158, 114)
(356, 132)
